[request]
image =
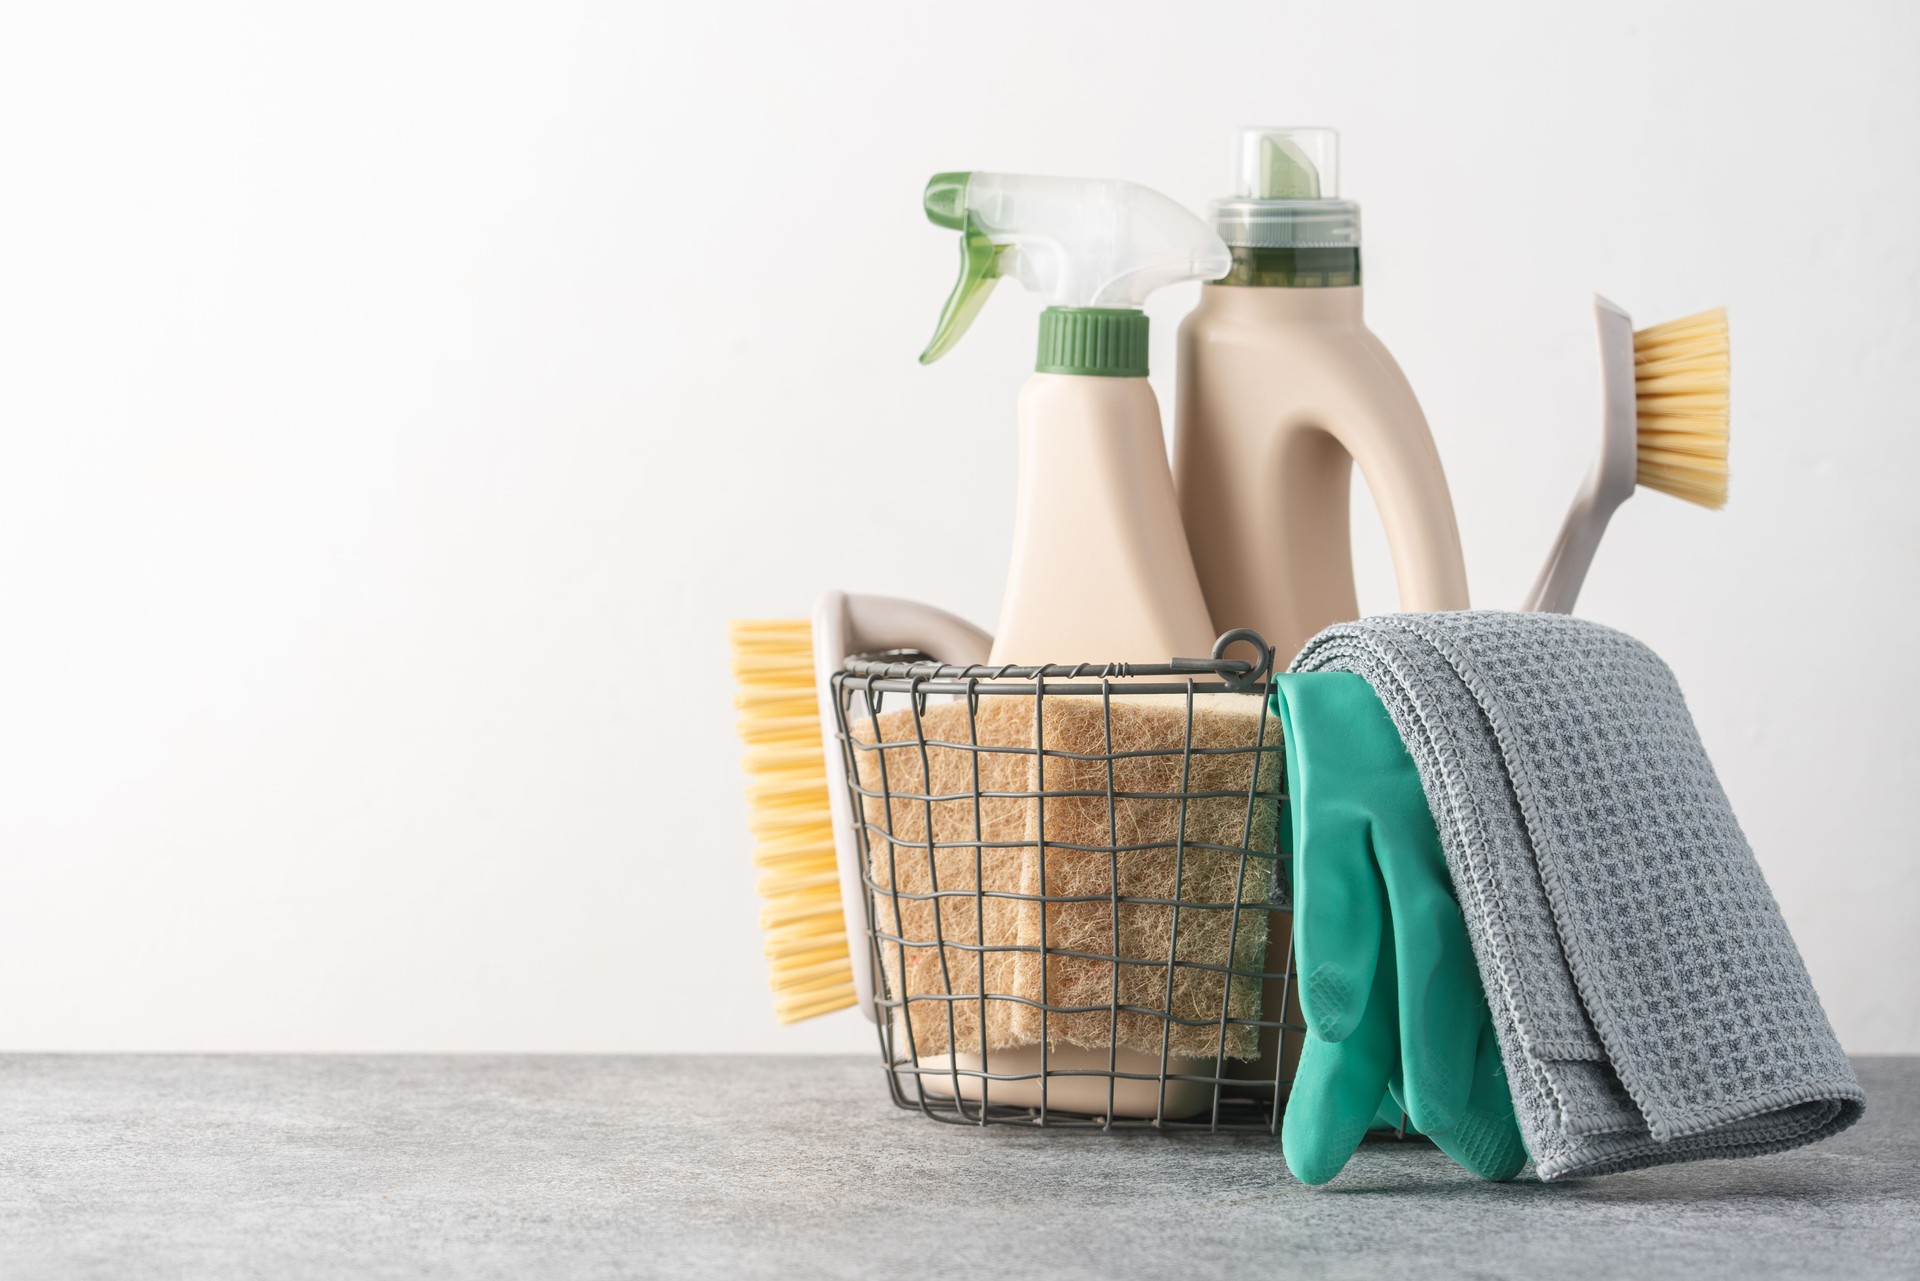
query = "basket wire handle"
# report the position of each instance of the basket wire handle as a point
(1248, 675)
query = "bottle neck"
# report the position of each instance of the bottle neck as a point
(1340, 306)
(1294, 267)
(1103, 342)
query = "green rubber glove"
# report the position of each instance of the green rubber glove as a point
(1392, 998)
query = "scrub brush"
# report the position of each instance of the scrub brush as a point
(799, 813)
(789, 817)
(1665, 427)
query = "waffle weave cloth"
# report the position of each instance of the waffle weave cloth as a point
(1650, 1004)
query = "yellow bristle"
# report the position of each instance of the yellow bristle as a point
(805, 949)
(790, 818)
(798, 889)
(798, 1005)
(787, 759)
(1680, 372)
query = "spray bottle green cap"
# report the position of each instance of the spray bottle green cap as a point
(1093, 248)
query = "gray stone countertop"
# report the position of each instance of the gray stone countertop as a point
(530, 1167)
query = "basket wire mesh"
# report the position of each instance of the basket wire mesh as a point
(956, 1077)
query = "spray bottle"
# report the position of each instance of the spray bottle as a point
(1101, 570)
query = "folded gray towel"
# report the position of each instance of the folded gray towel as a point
(1650, 1004)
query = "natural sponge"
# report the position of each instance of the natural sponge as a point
(1191, 832)
(944, 817)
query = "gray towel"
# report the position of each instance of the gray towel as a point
(1650, 1004)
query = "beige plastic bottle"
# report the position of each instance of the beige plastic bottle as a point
(1282, 390)
(1100, 570)
(1100, 566)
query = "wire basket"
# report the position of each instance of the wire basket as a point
(1076, 910)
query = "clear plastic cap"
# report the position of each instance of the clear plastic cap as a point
(1077, 242)
(1285, 186)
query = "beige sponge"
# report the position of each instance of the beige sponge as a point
(987, 836)
(921, 787)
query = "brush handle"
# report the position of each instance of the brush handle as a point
(890, 622)
(1565, 571)
(1611, 479)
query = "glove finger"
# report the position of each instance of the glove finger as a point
(1486, 1137)
(1337, 1089)
(1442, 1006)
(1339, 904)
(1337, 930)
(1441, 1003)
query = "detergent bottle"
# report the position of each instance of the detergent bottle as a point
(1282, 389)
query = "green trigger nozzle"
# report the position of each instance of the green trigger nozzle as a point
(946, 205)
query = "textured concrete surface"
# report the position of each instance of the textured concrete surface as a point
(479, 1167)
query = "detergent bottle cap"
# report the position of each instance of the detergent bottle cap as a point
(1092, 248)
(1286, 184)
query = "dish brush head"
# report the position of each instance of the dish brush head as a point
(1680, 391)
(790, 818)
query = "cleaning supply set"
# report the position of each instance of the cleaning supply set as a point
(1071, 871)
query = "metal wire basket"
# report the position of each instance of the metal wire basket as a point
(1076, 910)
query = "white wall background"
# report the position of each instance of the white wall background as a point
(395, 402)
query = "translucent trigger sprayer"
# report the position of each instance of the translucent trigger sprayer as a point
(1100, 569)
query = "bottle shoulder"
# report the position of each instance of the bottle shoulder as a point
(1086, 395)
(1251, 379)
(1291, 352)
